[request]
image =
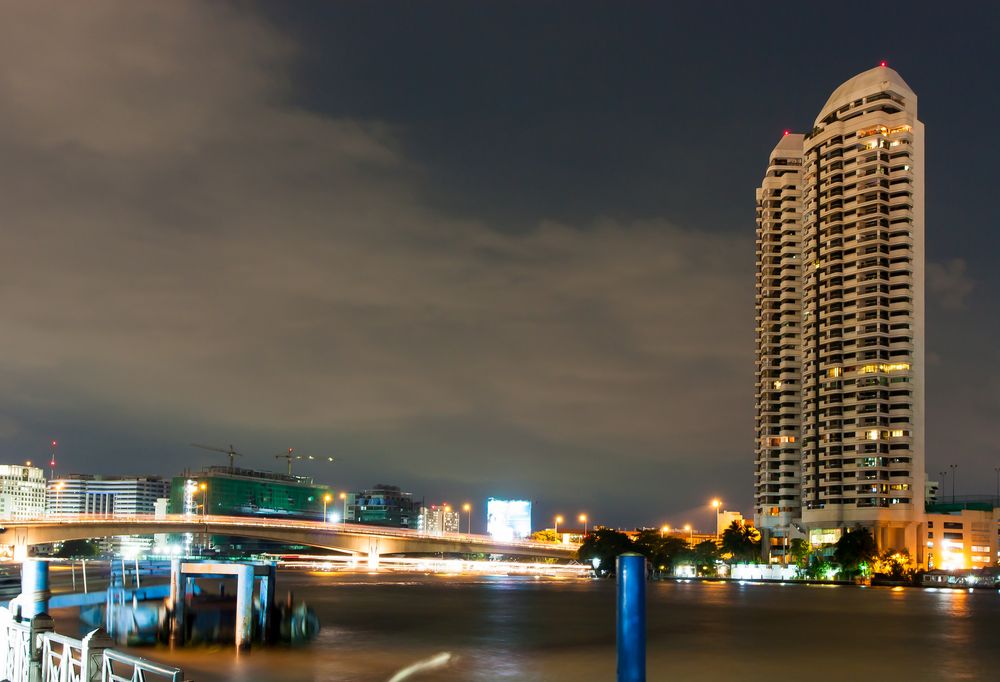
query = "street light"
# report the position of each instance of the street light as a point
(326, 500)
(583, 520)
(204, 499)
(467, 508)
(343, 496)
(954, 475)
(59, 487)
(690, 531)
(717, 505)
(559, 519)
(664, 530)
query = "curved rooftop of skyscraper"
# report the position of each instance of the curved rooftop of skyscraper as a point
(867, 83)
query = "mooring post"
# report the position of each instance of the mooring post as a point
(35, 593)
(177, 585)
(268, 586)
(41, 623)
(244, 606)
(631, 621)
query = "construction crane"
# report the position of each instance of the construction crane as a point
(231, 452)
(290, 455)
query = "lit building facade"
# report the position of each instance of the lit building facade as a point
(840, 322)
(88, 494)
(232, 491)
(22, 491)
(961, 538)
(438, 519)
(383, 505)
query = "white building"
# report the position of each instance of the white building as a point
(438, 519)
(121, 495)
(22, 491)
(840, 321)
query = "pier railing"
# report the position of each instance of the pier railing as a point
(31, 651)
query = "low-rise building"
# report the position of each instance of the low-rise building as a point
(91, 494)
(961, 536)
(383, 505)
(22, 491)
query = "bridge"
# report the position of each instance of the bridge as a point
(351, 538)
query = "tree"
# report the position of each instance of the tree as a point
(547, 535)
(604, 545)
(705, 555)
(800, 551)
(662, 551)
(895, 565)
(741, 541)
(855, 552)
(78, 549)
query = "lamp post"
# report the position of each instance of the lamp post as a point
(583, 520)
(326, 501)
(996, 502)
(717, 505)
(343, 496)
(690, 532)
(664, 529)
(954, 475)
(559, 519)
(204, 499)
(467, 508)
(59, 488)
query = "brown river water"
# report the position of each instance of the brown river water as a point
(549, 630)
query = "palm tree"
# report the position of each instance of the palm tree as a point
(741, 541)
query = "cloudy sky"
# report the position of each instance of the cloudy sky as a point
(468, 248)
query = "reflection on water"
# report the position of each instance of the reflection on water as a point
(515, 628)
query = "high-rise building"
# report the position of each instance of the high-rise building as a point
(22, 491)
(438, 519)
(840, 322)
(89, 494)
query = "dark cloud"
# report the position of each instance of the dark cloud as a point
(226, 227)
(186, 244)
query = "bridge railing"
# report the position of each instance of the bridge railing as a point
(262, 522)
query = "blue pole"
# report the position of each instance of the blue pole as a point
(631, 622)
(34, 587)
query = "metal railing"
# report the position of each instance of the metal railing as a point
(121, 667)
(31, 651)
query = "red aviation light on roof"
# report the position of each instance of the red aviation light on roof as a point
(787, 132)
(883, 63)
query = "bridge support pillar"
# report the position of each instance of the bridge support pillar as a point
(177, 590)
(244, 607)
(34, 598)
(373, 554)
(20, 552)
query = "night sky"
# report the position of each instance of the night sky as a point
(468, 248)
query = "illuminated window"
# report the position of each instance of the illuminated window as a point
(898, 433)
(834, 372)
(777, 384)
(872, 435)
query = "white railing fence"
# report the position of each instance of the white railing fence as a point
(31, 651)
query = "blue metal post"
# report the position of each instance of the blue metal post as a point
(631, 622)
(34, 587)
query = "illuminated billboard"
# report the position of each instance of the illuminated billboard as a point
(508, 519)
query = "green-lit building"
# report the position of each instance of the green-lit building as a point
(231, 491)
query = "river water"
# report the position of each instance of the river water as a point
(549, 630)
